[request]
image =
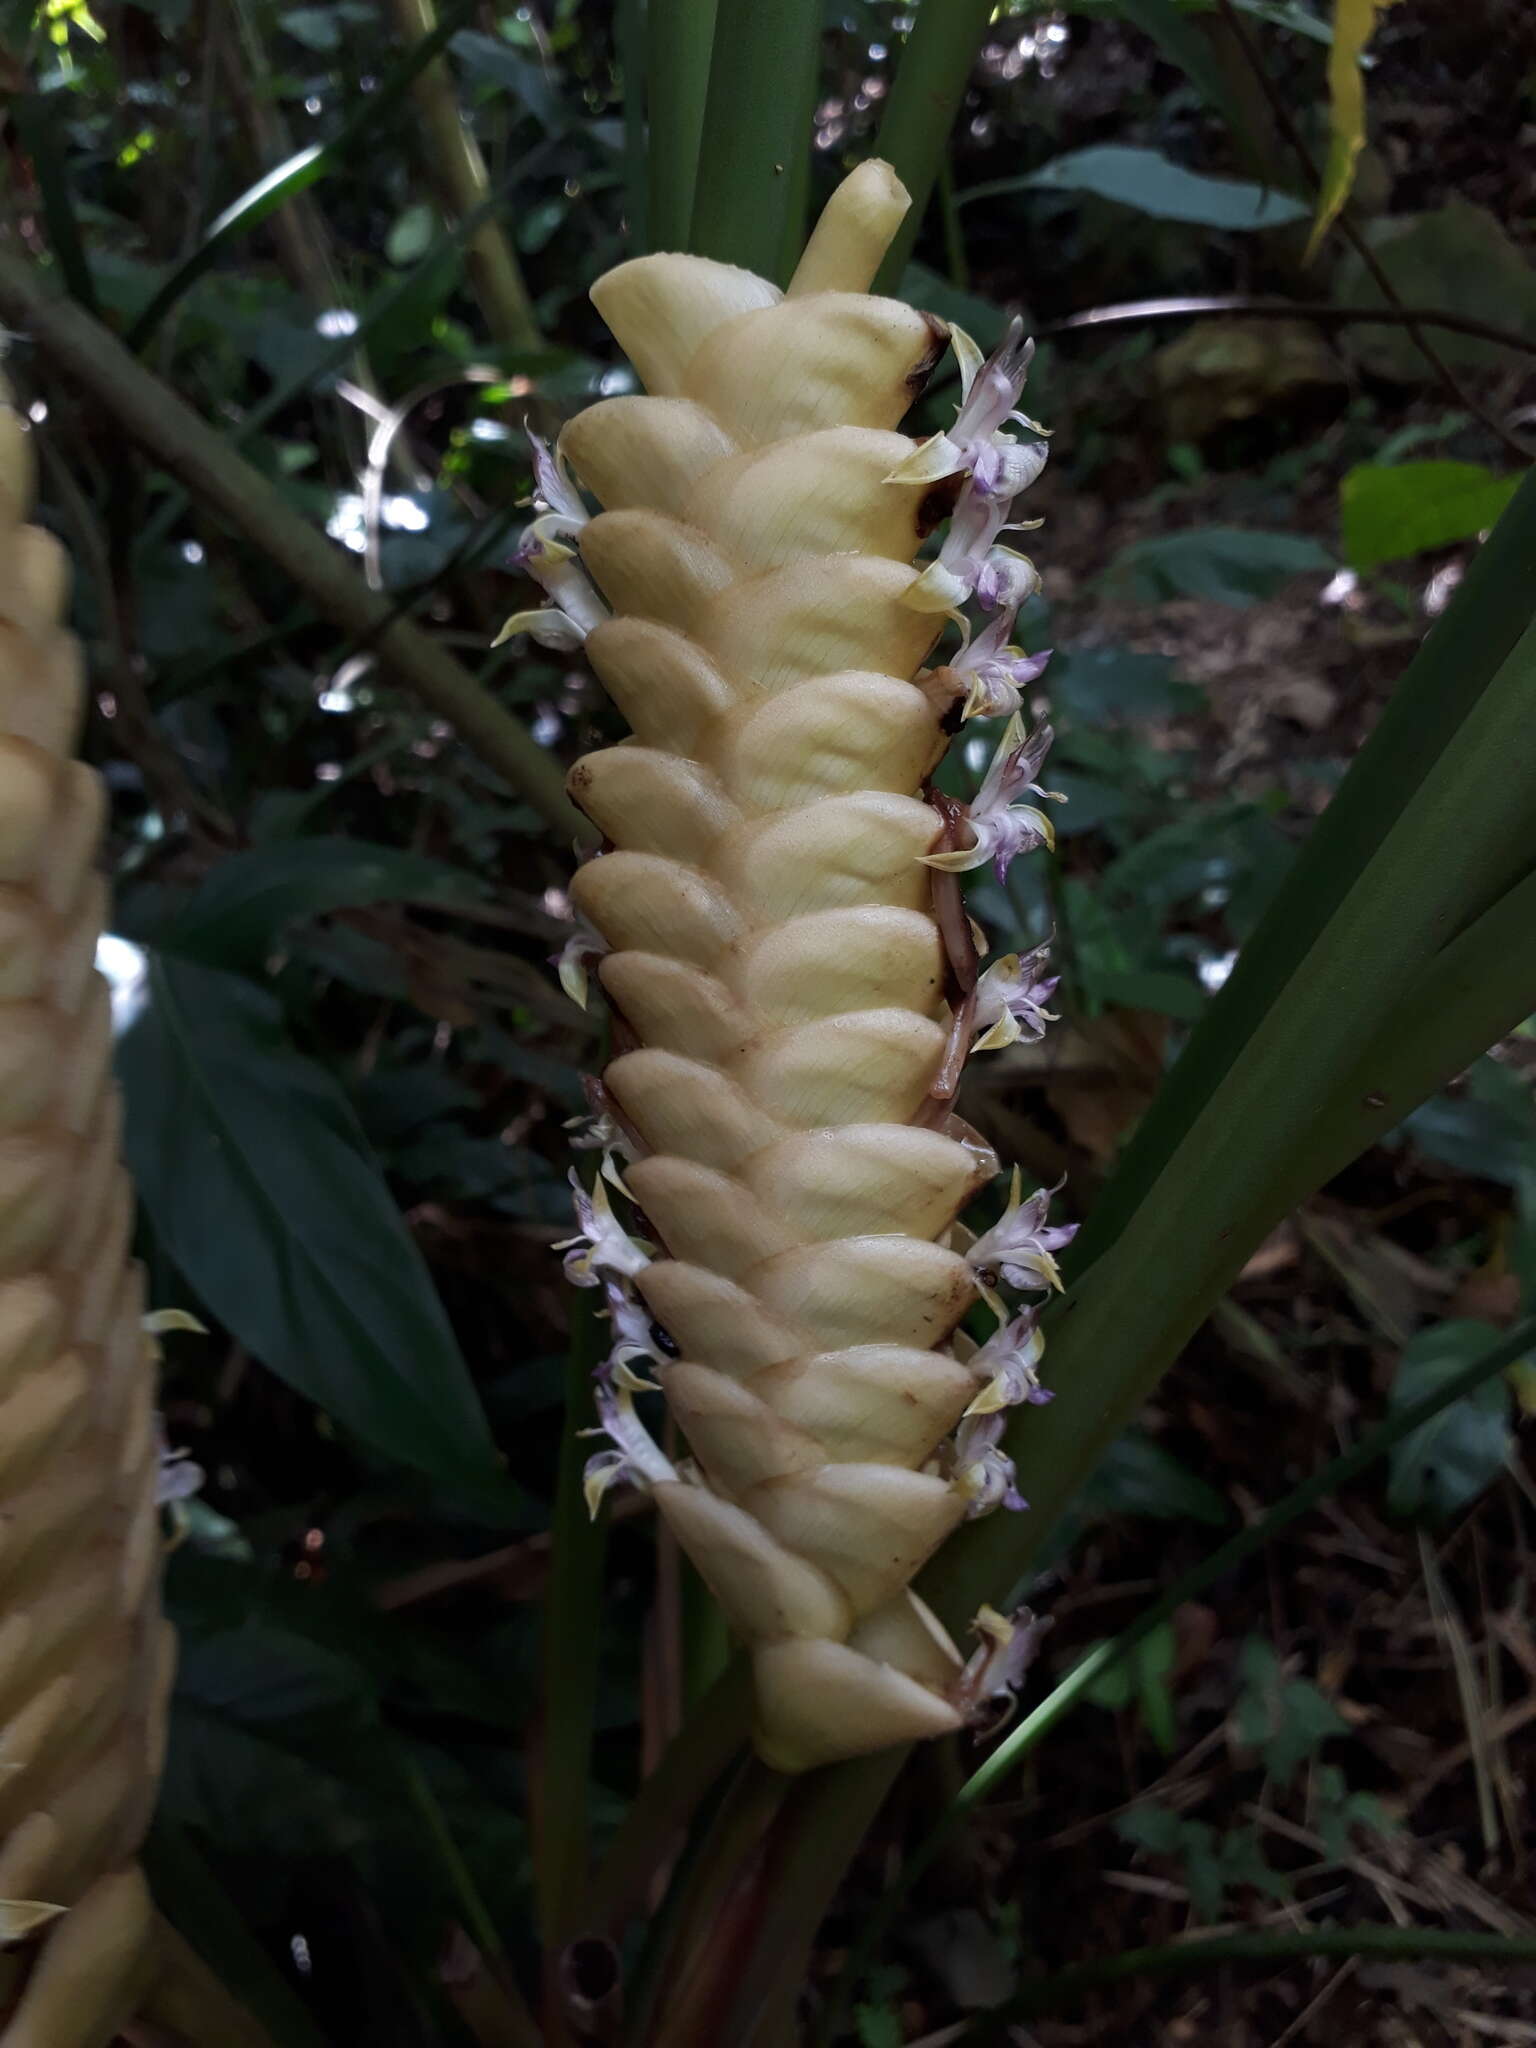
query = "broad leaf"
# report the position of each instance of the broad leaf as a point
(1449, 1460)
(252, 1166)
(238, 912)
(1152, 183)
(1390, 511)
(1229, 564)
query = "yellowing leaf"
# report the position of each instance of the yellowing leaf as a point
(1353, 21)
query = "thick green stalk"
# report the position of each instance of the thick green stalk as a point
(679, 35)
(712, 1736)
(457, 169)
(1481, 986)
(930, 83)
(1075, 1687)
(173, 435)
(1469, 834)
(1458, 660)
(749, 203)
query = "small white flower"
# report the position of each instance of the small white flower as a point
(601, 1245)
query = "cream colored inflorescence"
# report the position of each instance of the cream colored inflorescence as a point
(792, 977)
(85, 1656)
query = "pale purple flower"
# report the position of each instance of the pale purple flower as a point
(995, 1670)
(601, 1245)
(999, 673)
(177, 1477)
(1009, 1365)
(983, 1471)
(1019, 1250)
(575, 609)
(976, 445)
(1000, 828)
(1005, 579)
(1011, 998)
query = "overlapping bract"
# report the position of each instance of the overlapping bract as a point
(792, 987)
(85, 1657)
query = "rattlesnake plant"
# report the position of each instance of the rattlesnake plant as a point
(791, 974)
(85, 1657)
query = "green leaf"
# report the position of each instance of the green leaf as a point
(187, 1890)
(258, 1180)
(1353, 21)
(1182, 42)
(1104, 685)
(317, 28)
(1387, 513)
(931, 292)
(1136, 1476)
(1287, 1720)
(1151, 183)
(237, 914)
(1449, 1460)
(1229, 564)
(411, 236)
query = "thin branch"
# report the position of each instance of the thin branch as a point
(1235, 306)
(1351, 232)
(175, 438)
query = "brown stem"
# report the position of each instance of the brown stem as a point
(1235, 306)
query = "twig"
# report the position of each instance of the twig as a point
(1362, 248)
(1235, 306)
(183, 444)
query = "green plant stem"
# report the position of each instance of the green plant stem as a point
(457, 170)
(1204, 1951)
(679, 35)
(750, 192)
(703, 1749)
(173, 435)
(729, 1886)
(1470, 833)
(1463, 652)
(1482, 985)
(629, 39)
(41, 134)
(930, 83)
(571, 1639)
(1106, 1657)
